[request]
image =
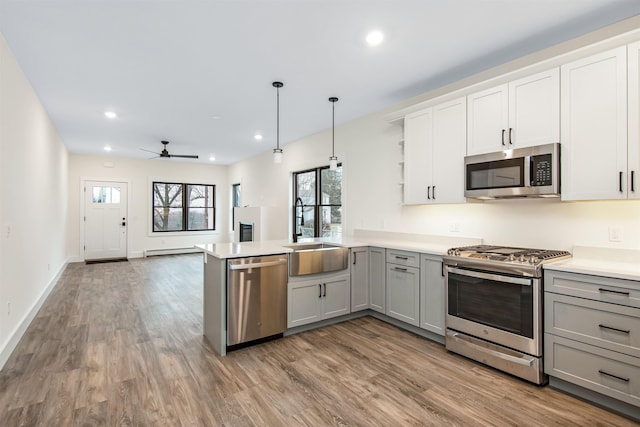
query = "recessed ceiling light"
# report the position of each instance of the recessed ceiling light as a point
(258, 137)
(374, 38)
(110, 114)
(211, 158)
(107, 148)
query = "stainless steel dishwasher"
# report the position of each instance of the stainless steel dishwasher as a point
(256, 298)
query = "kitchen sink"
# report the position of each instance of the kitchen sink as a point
(314, 258)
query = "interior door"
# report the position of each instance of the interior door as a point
(105, 220)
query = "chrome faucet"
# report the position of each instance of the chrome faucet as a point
(295, 222)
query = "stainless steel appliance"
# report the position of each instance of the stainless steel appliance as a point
(256, 298)
(246, 231)
(494, 306)
(522, 172)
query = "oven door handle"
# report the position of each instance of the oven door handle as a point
(490, 276)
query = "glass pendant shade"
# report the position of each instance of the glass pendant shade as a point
(277, 155)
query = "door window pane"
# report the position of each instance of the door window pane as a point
(115, 195)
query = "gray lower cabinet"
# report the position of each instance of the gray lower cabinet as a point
(432, 294)
(403, 286)
(377, 279)
(359, 258)
(318, 298)
(592, 333)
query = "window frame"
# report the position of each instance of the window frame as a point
(184, 206)
(317, 207)
(235, 202)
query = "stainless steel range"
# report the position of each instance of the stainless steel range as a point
(494, 306)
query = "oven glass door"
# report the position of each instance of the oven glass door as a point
(506, 173)
(498, 301)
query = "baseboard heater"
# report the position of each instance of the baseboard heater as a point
(173, 251)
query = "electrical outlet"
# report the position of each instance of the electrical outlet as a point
(614, 234)
(8, 309)
(48, 267)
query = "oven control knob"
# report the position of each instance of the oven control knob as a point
(533, 259)
(512, 257)
(521, 259)
(450, 252)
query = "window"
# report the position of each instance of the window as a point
(183, 207)
(320, 190)
(106, 195)
(235, 203)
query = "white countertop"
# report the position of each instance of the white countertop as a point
(616, 263)
(434, 245)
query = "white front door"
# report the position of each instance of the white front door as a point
(105, 220)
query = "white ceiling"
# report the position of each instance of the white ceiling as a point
(168, 68)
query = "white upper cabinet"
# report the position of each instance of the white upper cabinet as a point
(594, 127)
(633, 150)
(520, 113)
(418, 139)
(434, 150)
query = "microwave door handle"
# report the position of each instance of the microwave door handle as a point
(527, 171)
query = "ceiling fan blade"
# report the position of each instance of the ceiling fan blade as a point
(149, 151)
(184, 156)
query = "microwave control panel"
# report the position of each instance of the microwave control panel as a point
(541, 170)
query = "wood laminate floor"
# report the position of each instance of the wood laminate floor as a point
(121, 345)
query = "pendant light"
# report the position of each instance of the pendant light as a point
(333, 160)
(277, 152)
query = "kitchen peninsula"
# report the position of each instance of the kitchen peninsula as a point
(217, 256)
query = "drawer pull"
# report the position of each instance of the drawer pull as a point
(400, 269)
(624, 331)
(610, 291)
(401, 257)
(613, 376)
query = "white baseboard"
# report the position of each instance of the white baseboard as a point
(13, 341)
(175, 251)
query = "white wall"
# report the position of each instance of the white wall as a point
(140, 174)
(33, 203)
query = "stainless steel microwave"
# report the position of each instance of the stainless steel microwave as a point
(521, 172)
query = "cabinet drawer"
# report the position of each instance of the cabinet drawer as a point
(613, 374)
(405, 258)
(606, 289)
(610, 326)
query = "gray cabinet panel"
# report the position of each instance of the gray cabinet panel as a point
(605, 289)
(377, 279)
(614, 327)
(403, 293)
(607, 372)
(432, 289)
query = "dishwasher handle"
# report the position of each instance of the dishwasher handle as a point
(257, 264)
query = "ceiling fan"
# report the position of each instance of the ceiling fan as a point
(164, 153)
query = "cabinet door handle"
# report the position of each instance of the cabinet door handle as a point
(319, 290)
(613, 376)
(399, 269)
(624, 331)
(434, 192)
(442, 268)
(429, 192)
(354, 258)
(502, 138)
(324, 285)
(611, 291)
(633, 181)
(620, 181)
(510, 132)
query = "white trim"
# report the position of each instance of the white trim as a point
(17, 334)
(83, 180)
(176, 251)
